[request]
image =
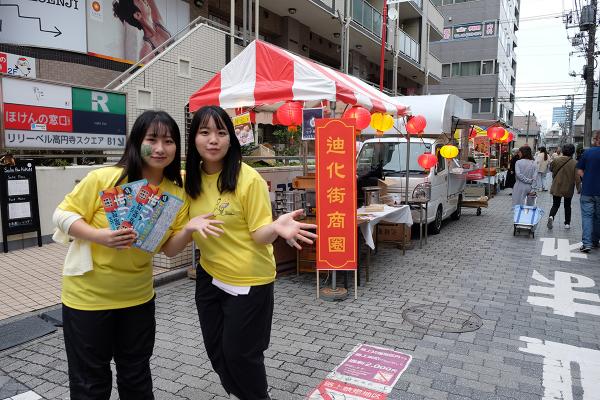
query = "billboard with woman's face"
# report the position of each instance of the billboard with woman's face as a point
(131, 29)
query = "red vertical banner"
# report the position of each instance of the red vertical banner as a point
(335, 150)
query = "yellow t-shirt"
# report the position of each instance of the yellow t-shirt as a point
(120, 278)
(234, 257)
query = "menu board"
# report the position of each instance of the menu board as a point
(19, 200)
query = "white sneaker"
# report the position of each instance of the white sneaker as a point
(567, 226)
(550, 222)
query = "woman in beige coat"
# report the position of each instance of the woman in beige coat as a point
(564, 180)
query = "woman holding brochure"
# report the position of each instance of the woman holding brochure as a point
(107, 289)
(235, 279)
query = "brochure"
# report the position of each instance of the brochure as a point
(117, 201)
(151, 215)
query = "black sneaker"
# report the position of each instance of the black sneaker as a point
(550, 222)
(585, 249)
(596, 245)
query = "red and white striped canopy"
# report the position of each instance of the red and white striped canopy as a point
(264, 74)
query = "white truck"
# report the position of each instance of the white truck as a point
(382, 161)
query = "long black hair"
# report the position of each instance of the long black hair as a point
(159, 123)
(526, 153)
(124, 10)
(232, 163)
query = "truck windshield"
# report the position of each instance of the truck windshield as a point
(382, 159)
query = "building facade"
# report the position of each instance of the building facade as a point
(478, 56)
(529, 134)
(559, 115)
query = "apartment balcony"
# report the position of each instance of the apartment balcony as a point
(436, 22)
(409, 47)
(435, 69)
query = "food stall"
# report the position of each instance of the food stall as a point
(275, 86)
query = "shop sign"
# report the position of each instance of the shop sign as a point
(372, 367)
(22, 117)
(34, 113)
(16, 65)
(335, 149)
(309, 115)
(472, 31)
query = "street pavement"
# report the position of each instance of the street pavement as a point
(534, 341)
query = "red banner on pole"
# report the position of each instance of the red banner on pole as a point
(335, 150)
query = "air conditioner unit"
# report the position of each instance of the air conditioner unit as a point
(587, 18)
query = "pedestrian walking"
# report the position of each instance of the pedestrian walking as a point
(542, 161)
(107, 287)
(235, 278)
(525, 174)
(510, 175)
(588, 168)
(564, 180)
(555, 154)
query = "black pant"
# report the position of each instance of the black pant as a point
(567, 207)
(93, 338)
(236, 332)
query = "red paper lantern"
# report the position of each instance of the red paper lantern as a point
(510, 138)
(495, 133)
(416, 124)
(427, 160)
(290, 114)
(361, 115)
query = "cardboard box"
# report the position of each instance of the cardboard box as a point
(393, 233)
(474, 191)
(264, 151)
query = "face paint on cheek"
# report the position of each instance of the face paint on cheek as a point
(146, 150)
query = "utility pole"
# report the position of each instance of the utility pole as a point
(571, 115)
(589, 78)
(527, 134)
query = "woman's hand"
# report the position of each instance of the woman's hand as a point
(119, 239)
(205, 225)
(293, 231)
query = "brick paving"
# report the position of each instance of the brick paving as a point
(475, 264)
(30, 279)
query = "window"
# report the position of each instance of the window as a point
(455, 69)
(441, 165)
(144, 98)
(486, 106)
(474, 103)
(471, 68)
(445, 70)
(185, 67)
(487, 67)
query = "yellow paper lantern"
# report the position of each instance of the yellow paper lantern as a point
(449, 151)
(381, 122)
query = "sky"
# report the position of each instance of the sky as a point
(543, 62)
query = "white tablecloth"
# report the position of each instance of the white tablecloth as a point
(394, 215)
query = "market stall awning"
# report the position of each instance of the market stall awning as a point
(264, 74)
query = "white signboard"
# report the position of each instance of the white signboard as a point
(21, 91)
(16, 65)
(62, 140)
(51, 24)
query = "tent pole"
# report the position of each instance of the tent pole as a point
(232, 28)
(257, 15)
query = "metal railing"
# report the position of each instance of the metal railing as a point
(150, 57)
(408, 46)
(367, 16)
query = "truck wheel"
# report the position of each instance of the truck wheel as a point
(436, 225)
(456, 214)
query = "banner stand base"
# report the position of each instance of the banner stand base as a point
(336, 294)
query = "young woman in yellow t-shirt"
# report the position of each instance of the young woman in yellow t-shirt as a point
(108, 311)
(234, 282)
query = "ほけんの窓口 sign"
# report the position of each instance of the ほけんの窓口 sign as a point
(40, 115)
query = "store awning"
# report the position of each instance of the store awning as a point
(466, 123)
(264, 74)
